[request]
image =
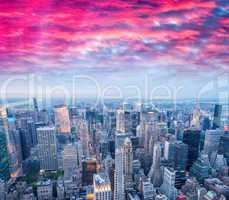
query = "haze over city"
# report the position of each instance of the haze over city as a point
(114, 100)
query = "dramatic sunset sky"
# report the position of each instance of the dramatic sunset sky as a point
(172, 42)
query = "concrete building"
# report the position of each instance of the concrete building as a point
(70, 161)
(119, 187)
(47, 149)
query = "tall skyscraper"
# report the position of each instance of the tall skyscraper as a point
(83, 135)
(26, 138)
(8, 128)
(150, 130)
(128, 163)
(176, 152)
(192, 139)
(180, 156)
(217, 116)
(155, 171)
(33, 132)
(102, 187)
(119, 185)
(47, 149)
(123, 121)
(62, 120)
(212, 141)
(70, 161)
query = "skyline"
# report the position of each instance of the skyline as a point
(118, 43)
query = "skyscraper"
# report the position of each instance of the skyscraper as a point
(150, 129)
(47, 149)
(102, 187)
(176, 152)
(123, 121)
(35, 105)
(62, 120)
(196, 118)
(128, 163)
(192, 139)
(36, 109)
(70, 161)
(119, 192)
(212, 141)
(155, 171)
(180, 156)
(83, 135)
(217, 116)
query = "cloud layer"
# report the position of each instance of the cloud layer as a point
(105, 35)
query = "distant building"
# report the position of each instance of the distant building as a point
(123, 121)
(155, 171)
(62, 120)
(192, 139)
(102, 187)
(70, 161)
(212, 141)
(47, 149)
(217, 116)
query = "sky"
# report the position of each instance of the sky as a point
(114, 45)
